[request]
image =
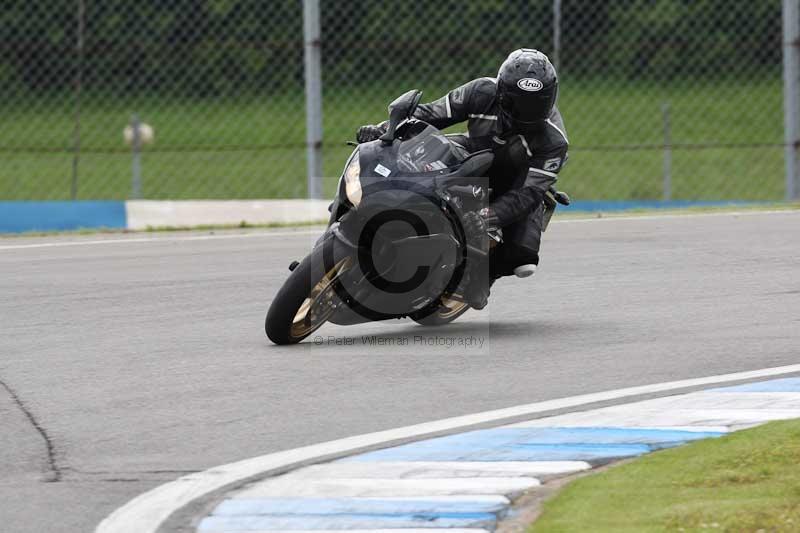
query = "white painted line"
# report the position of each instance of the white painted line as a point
(146, 512)
(610, 217)
(163, 239)
(589, 219)
(288, 487)
(438, 469)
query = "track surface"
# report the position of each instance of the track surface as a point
(140, 361)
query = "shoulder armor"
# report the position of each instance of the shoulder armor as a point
(484, 90)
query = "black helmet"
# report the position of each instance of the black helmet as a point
(527, 87)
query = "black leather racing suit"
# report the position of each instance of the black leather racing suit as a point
(526, 164)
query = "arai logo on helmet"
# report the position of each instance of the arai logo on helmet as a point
(530, 84)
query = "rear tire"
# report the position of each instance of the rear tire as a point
(282, 325)
(442, 312)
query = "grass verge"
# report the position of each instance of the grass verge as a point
(746, 481)
(725, 148)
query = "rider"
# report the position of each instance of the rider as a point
(515, 116)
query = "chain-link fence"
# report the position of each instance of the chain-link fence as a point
(220, 83)
(661, 98)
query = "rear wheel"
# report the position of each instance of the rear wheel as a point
(443, 312)
(308, 297)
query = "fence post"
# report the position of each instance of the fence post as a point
(791, 103)
(313, 74)
(76, 130)
(556, 33)
(136, 162)
(667, 168)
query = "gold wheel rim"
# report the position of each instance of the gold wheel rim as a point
(451, 307)
(317, 308)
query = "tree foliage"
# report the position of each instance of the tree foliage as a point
(212, 47)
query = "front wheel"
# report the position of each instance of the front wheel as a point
(443, 312)
(308, 297)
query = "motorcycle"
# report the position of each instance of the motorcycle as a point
(394, 246)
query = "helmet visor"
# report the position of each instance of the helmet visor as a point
(529, 107)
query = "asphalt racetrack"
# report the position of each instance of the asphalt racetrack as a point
(127, 364)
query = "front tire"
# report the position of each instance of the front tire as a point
(307, 298)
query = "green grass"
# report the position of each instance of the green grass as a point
(746, 481)
(253, 147)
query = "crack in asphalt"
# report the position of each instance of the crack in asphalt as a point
(53, 474)
(77, 475)
(102, 472)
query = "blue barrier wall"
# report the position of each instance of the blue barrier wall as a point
(17, 217)
(627, 205)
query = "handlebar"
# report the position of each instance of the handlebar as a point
(470, 191)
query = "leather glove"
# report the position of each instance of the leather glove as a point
(474, 225)
(478, 224)
(370, 132)
(490, 218)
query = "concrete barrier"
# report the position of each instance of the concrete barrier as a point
(16, 217)
(143, 214)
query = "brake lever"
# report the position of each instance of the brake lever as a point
(559, 196)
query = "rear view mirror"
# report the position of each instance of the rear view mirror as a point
(402, 108)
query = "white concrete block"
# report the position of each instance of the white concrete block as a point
(188, 213)
(218, 524)
(288, 487)
(440, 469)
(730, 400)
(660, 418)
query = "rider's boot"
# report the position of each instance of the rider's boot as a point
(478, 284)
(524, 271)
(477, 294)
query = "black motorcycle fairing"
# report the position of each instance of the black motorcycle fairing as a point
(421, 155)
(415, 247)
(405, 184)
(426, 151)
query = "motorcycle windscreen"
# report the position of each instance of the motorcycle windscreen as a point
(429, 151)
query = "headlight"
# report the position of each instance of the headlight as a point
(352, 180)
